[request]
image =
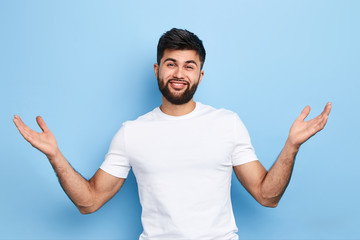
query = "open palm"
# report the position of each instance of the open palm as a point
(302, 130)
(44, 141)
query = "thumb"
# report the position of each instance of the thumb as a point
(304, 113)
(42, 124)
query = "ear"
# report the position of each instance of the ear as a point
(201, 75)
(156, 70)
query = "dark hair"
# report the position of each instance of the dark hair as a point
(180, 39)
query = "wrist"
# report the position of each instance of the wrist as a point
(293, 147)
(54, 155)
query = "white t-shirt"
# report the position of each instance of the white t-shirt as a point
(183, 168)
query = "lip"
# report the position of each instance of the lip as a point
(179, 81)
(178, 84)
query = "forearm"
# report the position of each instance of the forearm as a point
(278, 177)
(267, 187)
(79, 190)
(75, 186)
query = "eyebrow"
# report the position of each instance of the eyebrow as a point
(174, 60)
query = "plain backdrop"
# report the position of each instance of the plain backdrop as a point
(87, 66)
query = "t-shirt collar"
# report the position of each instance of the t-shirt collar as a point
(186, 116)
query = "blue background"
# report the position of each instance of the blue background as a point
(87, 66)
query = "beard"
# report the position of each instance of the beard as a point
(177, 98)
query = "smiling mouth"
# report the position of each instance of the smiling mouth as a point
(178, 85)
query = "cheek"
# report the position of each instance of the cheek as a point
(196, 77)
(165, 74)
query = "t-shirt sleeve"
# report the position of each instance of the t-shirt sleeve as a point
(243, 150)
(116, 161)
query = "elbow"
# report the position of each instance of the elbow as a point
(269, 204)
(87, 209)
(270, 201)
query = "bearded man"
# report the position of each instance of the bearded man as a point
(182, 155)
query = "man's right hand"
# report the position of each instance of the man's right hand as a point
(44, 141)
(88, 196)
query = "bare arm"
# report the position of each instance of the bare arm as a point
(88, 196)
(268, 187)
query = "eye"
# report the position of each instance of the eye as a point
(170, 64)
(190, 67)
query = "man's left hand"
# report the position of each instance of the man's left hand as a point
(302, 130)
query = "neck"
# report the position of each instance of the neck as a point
(177, 110)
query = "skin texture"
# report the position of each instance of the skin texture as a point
(266, 187)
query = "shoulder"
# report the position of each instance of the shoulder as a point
(147, 117)
(217, 112)
(222, 116)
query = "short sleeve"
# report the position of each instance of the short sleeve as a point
(116, 161)
(243, 150)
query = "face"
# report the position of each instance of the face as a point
(178, 75)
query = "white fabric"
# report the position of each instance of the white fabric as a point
(183, 167)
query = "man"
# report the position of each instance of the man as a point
(182, 155)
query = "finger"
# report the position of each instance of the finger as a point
(321, 120)
(42, 124)
(305, 112)
(326, 116)
(327, 109)
(320, 126)
(18, 122)
(24, 130)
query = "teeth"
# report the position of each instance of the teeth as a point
(178, 82)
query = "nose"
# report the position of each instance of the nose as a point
(178, 73)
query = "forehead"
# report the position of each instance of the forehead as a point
(181, 55)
